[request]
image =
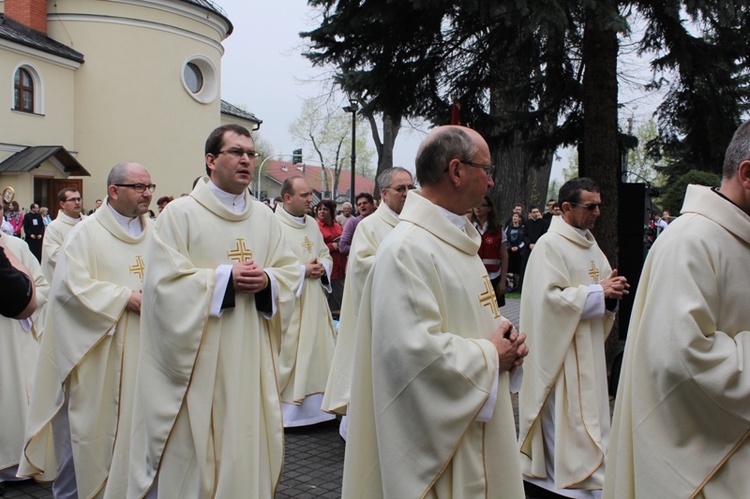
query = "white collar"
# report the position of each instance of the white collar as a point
(301, 219)
(481, 228)
(233, 202)
(132, 225)
(458, 220)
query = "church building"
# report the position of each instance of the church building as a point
(85, 84)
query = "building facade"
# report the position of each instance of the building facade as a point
(105, 81)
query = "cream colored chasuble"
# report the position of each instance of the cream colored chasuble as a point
(18, 353)
(370, 232)
(54, 237)
(208, 412)
(682, 417)
(566, 361)
(91, 342)
(423, 370)
(307, 344)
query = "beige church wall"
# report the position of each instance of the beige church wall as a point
(130, 102)
(54, 126)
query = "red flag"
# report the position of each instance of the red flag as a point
(455, 112)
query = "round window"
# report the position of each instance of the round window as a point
(200, 78)
(193, 77)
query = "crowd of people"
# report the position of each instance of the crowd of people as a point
(165, 358)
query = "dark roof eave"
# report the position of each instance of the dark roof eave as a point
(214, 9)
(16, 32)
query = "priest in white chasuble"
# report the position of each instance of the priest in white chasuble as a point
(19, 348)
(395, 183)
(86, 371)
(682, 414)
(430, 412)
(306, 346)
(207, 417)
(56, 232)
(570, 295)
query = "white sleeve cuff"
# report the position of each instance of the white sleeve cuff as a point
(274, 295)
(516, 378)
(328, 266)
(223, 275)
(302, 269)
(489, 406)
(594, 307)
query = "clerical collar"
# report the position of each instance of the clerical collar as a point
(458, 220)
(62, 215)
(389, 209)
(233, 202)
(132, 225)
(301, 219)
(581, 232)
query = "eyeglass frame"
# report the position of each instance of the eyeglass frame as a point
(589, 206)
(238, 153)
(75, 200)
(139, 188)
(403, 188)
(489, 170)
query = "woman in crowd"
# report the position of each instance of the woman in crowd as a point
(514, 233)
(44, 211)
(493, 250)
(331, 230)
(15, 218)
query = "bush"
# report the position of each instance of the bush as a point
(674, 193)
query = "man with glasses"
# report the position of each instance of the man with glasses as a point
(570, 296)
(86, 372)
(395, 183)
(430, 412)
(208, 401)
(54, 237)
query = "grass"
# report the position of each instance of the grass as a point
(516, 296)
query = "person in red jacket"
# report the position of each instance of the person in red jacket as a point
(331, 230)
(493, 251)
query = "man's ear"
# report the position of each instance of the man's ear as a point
(743, 174)
(454, 172)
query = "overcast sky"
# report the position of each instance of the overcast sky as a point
(264, 72)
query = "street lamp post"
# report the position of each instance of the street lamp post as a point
(260, 170)
(353, 107)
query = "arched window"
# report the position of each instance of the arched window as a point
(23, 91)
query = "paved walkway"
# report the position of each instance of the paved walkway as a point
(314, 458)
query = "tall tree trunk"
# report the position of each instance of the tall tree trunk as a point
(523, 168)
(601, 159)
(384, 146)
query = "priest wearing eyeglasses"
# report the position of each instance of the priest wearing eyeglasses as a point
(86, 369)
(430, 410)
(207, 418)
(54, 236)
(570, 296)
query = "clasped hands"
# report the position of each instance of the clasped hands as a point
(314, 269)
(249, 278)
(511, 346)
(615, 286)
